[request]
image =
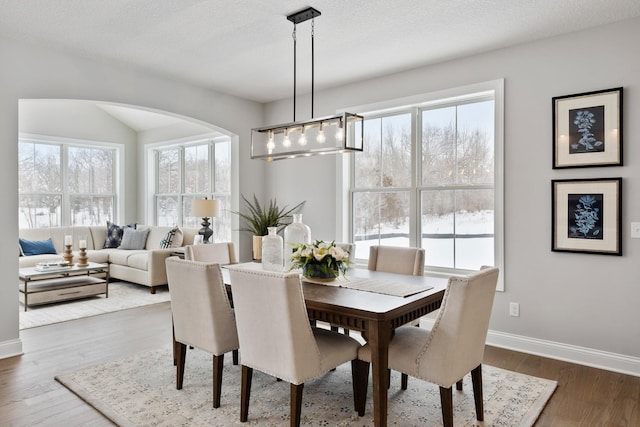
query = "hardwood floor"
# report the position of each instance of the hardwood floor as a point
(29, 396)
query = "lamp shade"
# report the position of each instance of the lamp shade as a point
(204, 208)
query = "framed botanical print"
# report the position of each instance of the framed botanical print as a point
(587, 129)
(586, 216)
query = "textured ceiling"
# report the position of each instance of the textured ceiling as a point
(244, 47)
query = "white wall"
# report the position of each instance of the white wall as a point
(32, 72)
(574, 306)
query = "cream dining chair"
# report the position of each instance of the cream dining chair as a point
(219, 253)
(202, 316)
(455, 345)
(393, 259)
(276, 337)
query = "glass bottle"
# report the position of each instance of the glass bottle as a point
(272, 250)
(294, 234)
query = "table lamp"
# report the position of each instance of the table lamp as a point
(206, 209)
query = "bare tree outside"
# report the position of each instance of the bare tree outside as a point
(206, 168)
(87, 195)
(454, 183)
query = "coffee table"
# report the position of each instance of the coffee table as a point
(43, 287)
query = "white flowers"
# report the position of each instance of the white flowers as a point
(321, 257)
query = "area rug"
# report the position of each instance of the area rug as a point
(140, 391)
(122, 296)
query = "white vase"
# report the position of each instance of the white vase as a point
(294, 234)
(272, 250)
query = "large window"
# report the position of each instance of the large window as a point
(191, 171)
(64, 183)
(429, 177)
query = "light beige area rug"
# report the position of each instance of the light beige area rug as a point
(122, 296)
(140, 391)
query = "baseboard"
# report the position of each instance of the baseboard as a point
(11, 348)
(569, 353)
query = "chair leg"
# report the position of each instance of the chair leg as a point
(218, 362)
(245, 392)
(296, 404)
(181, 356)
(360, 379)
(476, 379)
(446, 400)
(175, 344)
(235, 357)
(459, 385)
(404, 381)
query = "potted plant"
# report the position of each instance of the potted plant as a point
(259, 218)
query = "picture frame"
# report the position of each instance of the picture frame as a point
(587, 129)
(586, 216)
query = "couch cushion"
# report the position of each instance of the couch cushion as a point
(101, 256)
(120, 257)
(134, 239)
(139, 261)
(33, 260)
(37, 247)
(114, 234)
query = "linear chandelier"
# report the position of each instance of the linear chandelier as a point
(341, 133)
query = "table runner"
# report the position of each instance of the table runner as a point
(385, 287)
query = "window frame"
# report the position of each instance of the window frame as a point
(416, 104)
(181, 145)
(64, 144)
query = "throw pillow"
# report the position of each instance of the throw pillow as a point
(134, 239)
(37, 247)
(114, 234)
(168, 239)
(178, 239)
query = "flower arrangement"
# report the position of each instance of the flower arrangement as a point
(320, 260)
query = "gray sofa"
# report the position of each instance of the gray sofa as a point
(142, 266)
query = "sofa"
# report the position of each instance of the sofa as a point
(142, 266)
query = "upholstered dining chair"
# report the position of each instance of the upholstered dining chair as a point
(202, 316)
(455, 344)
(276, 337)
(393, 259)
(220, 253)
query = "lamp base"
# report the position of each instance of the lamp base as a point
(206, 232)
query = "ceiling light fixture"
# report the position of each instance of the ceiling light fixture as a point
(341, 133)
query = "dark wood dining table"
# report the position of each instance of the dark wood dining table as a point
(376, 315)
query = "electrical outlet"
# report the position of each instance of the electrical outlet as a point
(635, 230)
(514, 309)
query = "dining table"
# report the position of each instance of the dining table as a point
(374, 303)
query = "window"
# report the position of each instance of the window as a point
(194, 170)
(65, 183)
(429, 177)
